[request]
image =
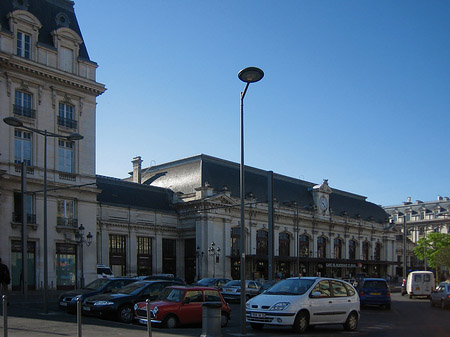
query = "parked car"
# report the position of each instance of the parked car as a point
(167, 277)
(119, 304)
(213, 282)
(68, 300)
(232, 290)
(300, 302)
(420, 283)
(441, 296)
(374, 291)
(267, 285)
(104, 271)
(179, 305)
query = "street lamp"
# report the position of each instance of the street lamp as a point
(82, 240)
(215, 253)
(247, 75)
(15, 122)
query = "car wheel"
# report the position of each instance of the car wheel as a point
(125, 314)
(301, 322)
(223, 320)
(352, 322)
(171, 322)
(256, 326)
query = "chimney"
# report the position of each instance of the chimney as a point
(409, 199)
(137, 169)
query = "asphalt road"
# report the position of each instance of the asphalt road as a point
(408, 317)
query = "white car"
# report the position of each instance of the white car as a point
(303, 301)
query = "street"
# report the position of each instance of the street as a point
(408, 317)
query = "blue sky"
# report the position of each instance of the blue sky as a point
(356, 92)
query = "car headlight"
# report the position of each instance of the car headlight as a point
(136, 307)
(247, 305)
(77, 297)
(155, 310)
(101, 303)
(280, 306)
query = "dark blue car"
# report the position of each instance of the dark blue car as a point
(374, 291)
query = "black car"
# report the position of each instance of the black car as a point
(161, 277)
(68, 300)
(119, 304)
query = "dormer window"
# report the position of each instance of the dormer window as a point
(24, 45)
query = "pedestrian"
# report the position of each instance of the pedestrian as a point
(5, 280)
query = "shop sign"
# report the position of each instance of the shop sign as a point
(341, 265)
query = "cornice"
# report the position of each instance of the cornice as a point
(46, 74)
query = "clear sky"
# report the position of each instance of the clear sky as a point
(356, 92)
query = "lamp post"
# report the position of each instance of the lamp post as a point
(15, 122)
(215, 253)
(247, 75)
(82, 240)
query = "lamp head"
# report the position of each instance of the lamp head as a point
(74, 136)
(250, 75)
(13, 121)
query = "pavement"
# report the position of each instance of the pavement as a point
(26, 318)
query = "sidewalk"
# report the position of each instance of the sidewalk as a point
(26, 317)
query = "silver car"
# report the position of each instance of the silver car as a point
(441, 296)
(232, 290)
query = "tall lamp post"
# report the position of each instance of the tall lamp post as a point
(247, 75)
(215, 253)
(83, 240)
(15, 122)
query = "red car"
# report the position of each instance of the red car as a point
(177, 305)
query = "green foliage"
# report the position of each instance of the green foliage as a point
(442, 257)
(430, 246)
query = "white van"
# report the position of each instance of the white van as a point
(420, 283)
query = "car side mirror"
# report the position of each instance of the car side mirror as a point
(316, 294)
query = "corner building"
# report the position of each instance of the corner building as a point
(48, 83)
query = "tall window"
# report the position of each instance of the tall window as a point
(235, 241)
(144, 255)
(378, 251)
(22, 147)
(169, 256)
(66, 211)
(66, 59)
(23, 104)
(365, 251)
(337, 248)
(321, 247)
(352, 249)
(65, 156)
(66, 116)
(303, 249)
(284, 242)
(24, 45)
(118, 254)
(17, 215)
(262, 247)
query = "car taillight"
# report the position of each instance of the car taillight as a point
(448, 296)
(361, 293)
(388, 294)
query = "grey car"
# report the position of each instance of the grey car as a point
(441, 296)
(232, 290)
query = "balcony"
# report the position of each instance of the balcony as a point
(23, 111)
(31, 218)
(66, 222)
(69, 123)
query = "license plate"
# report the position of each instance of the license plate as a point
(258, 314)
(63, 304)
(86, 309)
(375, 294)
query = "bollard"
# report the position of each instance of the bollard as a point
(79, 317)
(5, 315)
(211, 317)
(149, 319)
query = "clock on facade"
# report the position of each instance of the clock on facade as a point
(323, 203)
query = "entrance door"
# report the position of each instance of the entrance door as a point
(16, 265)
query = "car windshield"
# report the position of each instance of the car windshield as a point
(235, 283)
(128, 289)
(206, 281)
(94, 285)
(375, 285)
(171, 295)
(290, 287)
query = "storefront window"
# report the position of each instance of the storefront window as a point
(66, 266)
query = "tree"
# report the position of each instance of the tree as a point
(429, 246)
(442, 257)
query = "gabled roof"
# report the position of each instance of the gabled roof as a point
(47, 11)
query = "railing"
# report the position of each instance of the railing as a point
(67, 222)
(67, 176)
(70, 123)
(24, 111)
(18, 168)
(31, 218)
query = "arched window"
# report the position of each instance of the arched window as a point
(365, 251)
(284, 243)
(352, 249)
(262, 247)
(235, 241)
(303, 245)
(321, 247)
(378, 251)
(337, 248)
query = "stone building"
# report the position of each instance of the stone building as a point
(48, 90)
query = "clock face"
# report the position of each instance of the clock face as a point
(323, 203)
